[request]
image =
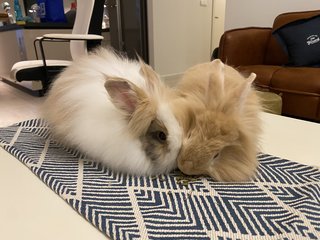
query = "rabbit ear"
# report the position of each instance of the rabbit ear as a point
(124, 94)
(215, 89)
(252, 77)
(245, 89)
(151, 77)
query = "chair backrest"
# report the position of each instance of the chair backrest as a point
(88, 20)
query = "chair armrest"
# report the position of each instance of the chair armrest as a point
(59, 36)
(244, 46)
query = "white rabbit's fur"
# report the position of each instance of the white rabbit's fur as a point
(82, 114)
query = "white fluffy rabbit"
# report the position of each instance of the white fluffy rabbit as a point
(117, 111)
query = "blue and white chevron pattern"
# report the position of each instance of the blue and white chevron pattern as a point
(282, 202)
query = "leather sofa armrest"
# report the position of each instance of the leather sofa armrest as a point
(244, 46)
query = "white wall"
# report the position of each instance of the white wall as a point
(261, 13)
(179, 34)
(181, 31)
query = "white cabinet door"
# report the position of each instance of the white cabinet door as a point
(179, 34)
(219, 8)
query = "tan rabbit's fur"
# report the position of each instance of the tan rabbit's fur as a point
(221, 123)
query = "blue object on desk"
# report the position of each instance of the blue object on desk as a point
(51, 11)
(17, 11)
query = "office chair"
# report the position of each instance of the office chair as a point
(86, 34)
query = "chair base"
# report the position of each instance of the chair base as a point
(34, 70)
(45, 76)
(37, 92)
(38, 73)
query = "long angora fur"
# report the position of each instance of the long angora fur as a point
(222, 131)
(117, 111)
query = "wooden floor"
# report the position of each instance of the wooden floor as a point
(16, 105)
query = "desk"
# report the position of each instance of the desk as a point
(292, 139)
(30, 210)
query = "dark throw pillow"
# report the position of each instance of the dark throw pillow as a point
(301, 40)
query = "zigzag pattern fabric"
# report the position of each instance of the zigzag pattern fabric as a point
(281, 202)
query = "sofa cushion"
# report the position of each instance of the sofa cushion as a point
(244, 46)
(275, 54)
(264, 73)
(300, 91)
(302, 80)
(301, 40)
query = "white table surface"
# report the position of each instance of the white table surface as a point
(292, 139)
(31, 210)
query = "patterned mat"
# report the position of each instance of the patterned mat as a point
(282, 202)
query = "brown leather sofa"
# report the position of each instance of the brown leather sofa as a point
(255, 49)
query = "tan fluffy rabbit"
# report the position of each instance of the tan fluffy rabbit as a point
(222, 132)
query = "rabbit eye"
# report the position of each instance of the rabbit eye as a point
(160, 136)
(216, 155)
